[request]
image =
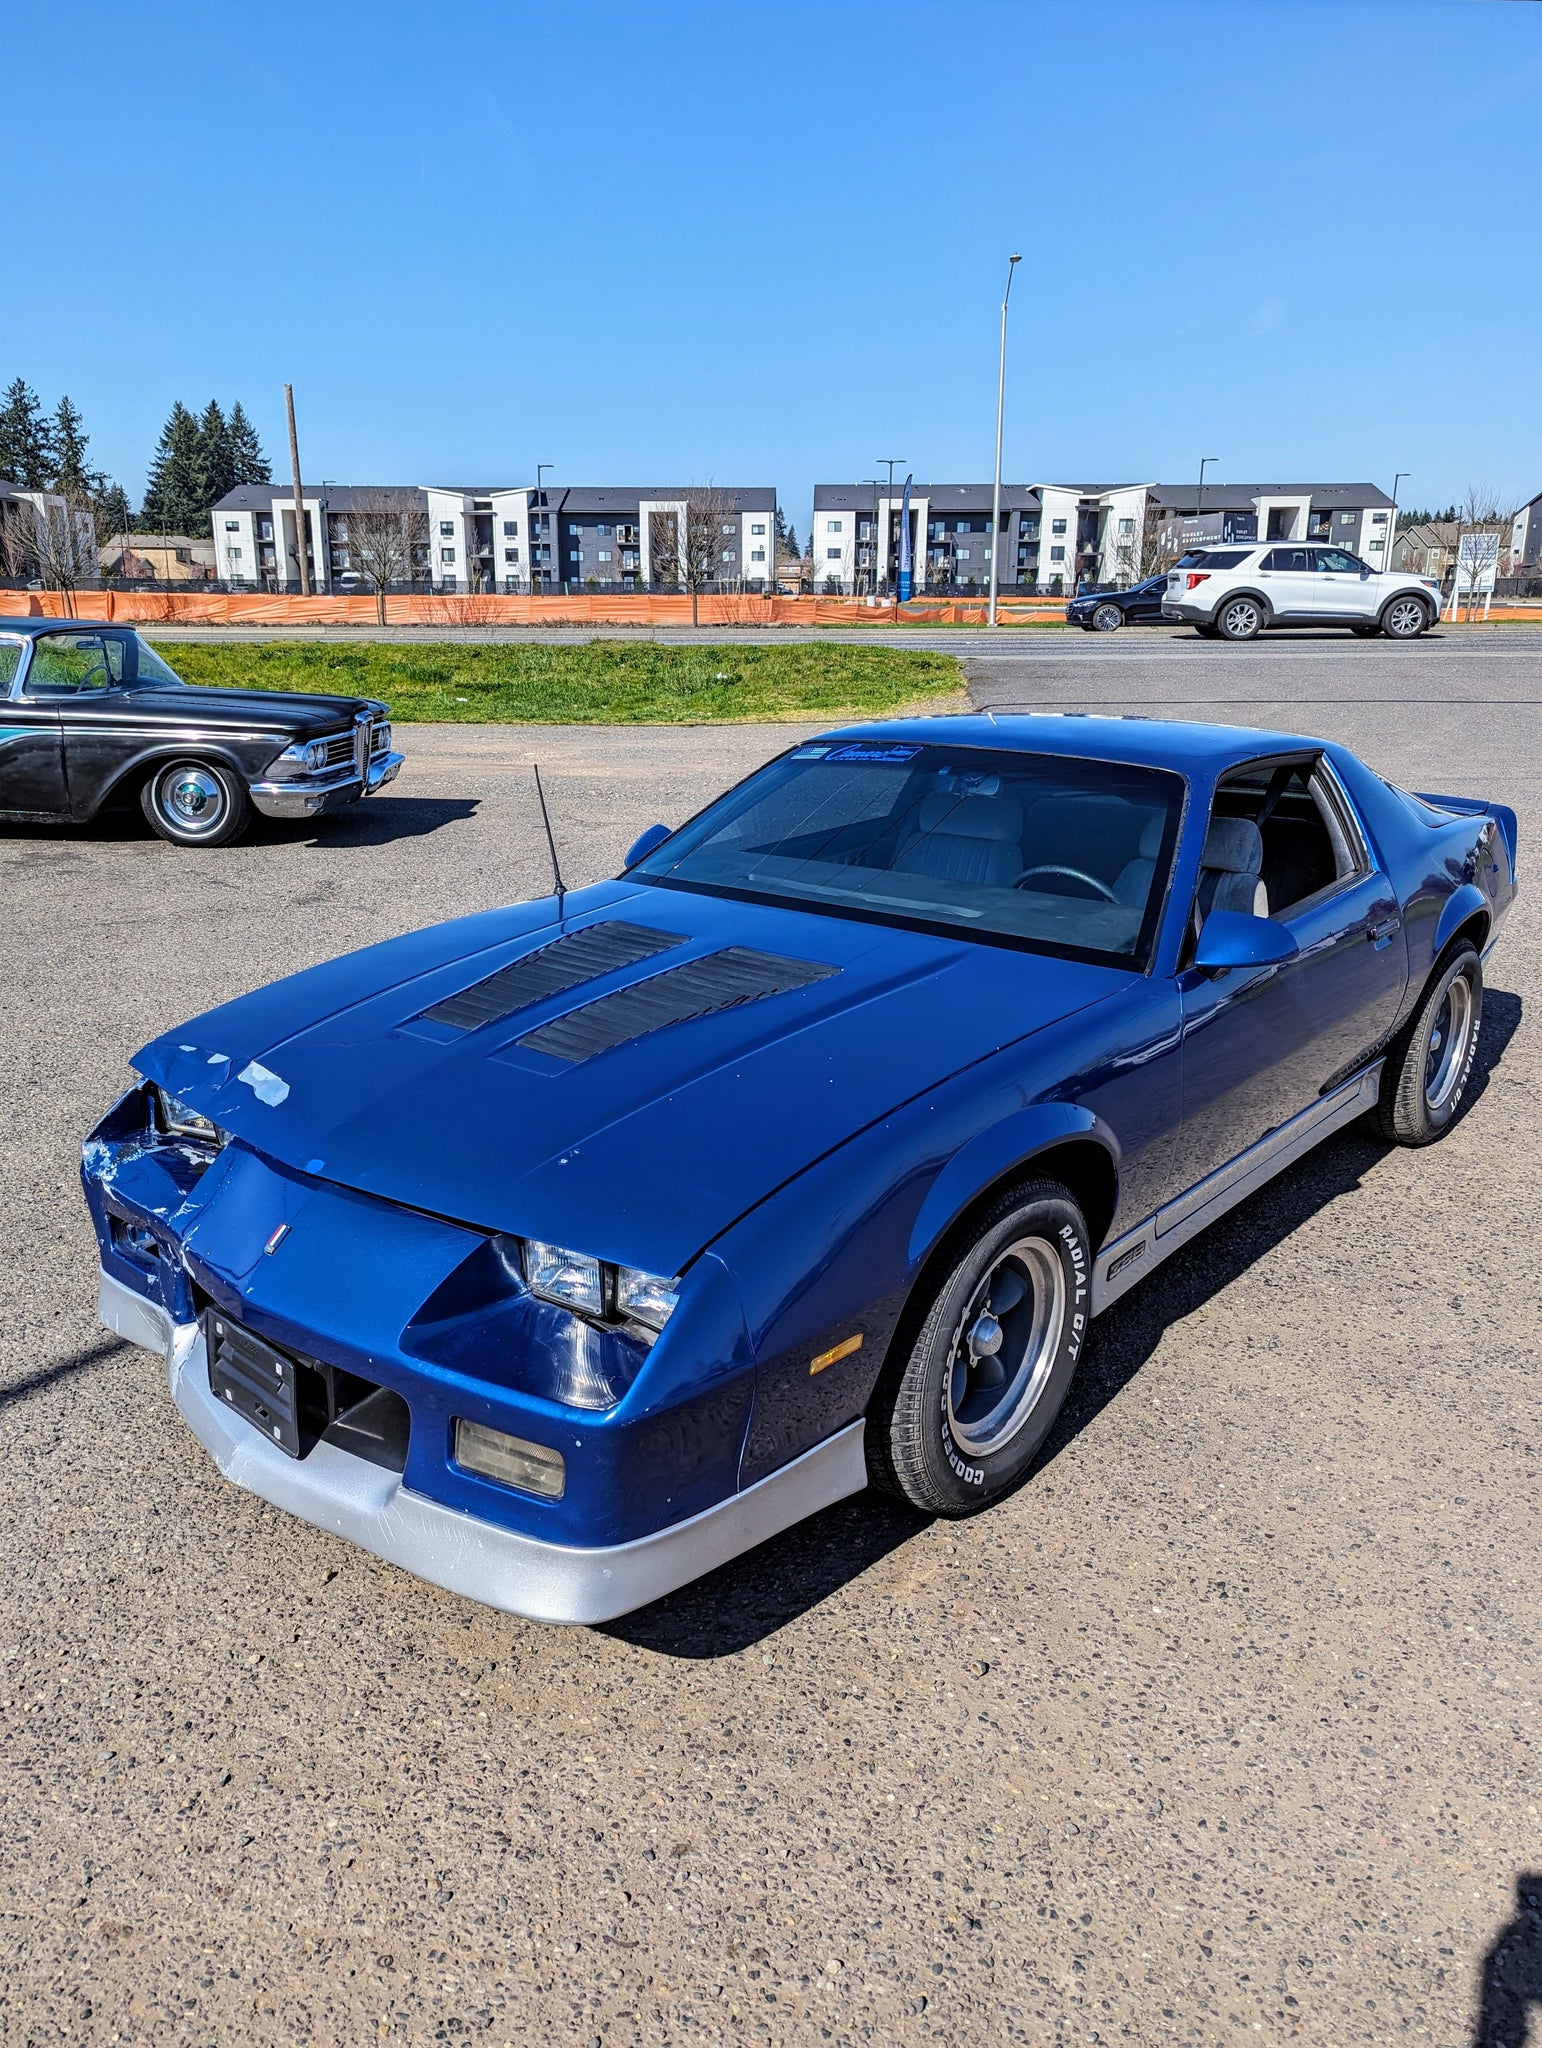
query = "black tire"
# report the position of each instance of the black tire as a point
(1427, 1070)
(969, 1407)
(1406, 617)
(1208, 632)
(1107, 619)
(1365, 632)
(195, 803)
(1241, 618)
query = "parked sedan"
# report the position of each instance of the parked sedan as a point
(90, 715)
(1105, 611)
(563, 1252)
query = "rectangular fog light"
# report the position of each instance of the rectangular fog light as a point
(491, 1453)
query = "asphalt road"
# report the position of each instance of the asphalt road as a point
(1224, 1727)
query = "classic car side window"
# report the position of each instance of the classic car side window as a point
(1306, 843)
(63, 664)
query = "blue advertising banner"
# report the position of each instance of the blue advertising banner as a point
(904, 543)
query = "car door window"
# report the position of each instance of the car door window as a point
(1288, 562)
(1337, 562)
(66, 664)
(1307, 841)
(10, 662)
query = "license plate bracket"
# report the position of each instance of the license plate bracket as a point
(260, 1382)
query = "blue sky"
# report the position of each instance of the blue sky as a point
(677, 241)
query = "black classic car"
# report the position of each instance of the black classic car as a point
(91, 716)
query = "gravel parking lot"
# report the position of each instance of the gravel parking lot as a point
(1223, 1727)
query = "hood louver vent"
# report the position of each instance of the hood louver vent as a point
(566, 963)
(719, 981)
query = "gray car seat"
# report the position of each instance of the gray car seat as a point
(966, 839)
(1228, 870)
(1133, 884)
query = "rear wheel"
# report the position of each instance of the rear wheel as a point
(1427, 1071)
(1405, 618)
(1107, 618)
(979, 1392)
(1208, 632)
(195, 803)
(1240, 618)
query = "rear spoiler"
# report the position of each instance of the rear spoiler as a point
(1474, 807)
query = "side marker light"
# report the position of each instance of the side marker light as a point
(837, 1352)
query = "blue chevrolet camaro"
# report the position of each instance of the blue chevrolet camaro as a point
(560, 1253)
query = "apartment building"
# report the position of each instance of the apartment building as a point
(1526, 538)
(1056, 537)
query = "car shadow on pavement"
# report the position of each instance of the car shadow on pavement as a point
(1511, 1992)
(377, 822)
(751, 1597)
(61, 1369)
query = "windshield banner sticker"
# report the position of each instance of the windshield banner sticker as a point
(873, 750)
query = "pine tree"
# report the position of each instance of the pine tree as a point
(114, 514)
(794, 552)
(248, 463)
(216, 461)
(174, 490)
(68, 441)
(26, 452)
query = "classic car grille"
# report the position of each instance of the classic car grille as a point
(380, 737)
(564, 964)
(721, 981)
(339, 749)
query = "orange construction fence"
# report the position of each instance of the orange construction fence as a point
(632, 608)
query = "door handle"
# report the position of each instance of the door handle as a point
(1378, 934)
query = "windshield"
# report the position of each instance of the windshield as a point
(1053, 854)
(148, 666)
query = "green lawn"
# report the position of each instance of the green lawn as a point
(602, 682)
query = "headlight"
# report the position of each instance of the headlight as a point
(381, 743)
(596, 1288)
(175, 1119)
(311, 754)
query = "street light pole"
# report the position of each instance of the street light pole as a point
(540, 499)
(1199, 495)
(1001, 399)
(1402, 477)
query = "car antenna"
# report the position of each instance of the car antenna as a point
(551, 844)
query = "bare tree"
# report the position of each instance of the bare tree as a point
(711, 516)
(664, 562)
(1482, 536)
(1148, 547)
(50, 536)
(387, 532)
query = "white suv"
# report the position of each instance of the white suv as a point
(1235, 593)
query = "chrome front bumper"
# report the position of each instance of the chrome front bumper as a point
(323, 792)
(370, 1506)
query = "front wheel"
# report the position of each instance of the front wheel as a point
(1427, 1071)
(991, 1366)
(195, 803)
(1107, 619)
(1405, 618)
(1240, 618)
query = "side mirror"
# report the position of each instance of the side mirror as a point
(1230, 938)
(642, 846)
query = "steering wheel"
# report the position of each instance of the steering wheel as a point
(1076, 874)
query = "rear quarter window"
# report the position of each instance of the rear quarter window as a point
(1220, 558)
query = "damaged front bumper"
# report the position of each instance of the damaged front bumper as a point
(307, 797)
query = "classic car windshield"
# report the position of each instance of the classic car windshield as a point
(1052, 853)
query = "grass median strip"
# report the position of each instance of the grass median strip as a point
(601, 682)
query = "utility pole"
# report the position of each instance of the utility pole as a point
(1401, 478)
(1199, 495)
(299, 495)
(1001, 399)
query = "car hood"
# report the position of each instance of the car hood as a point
(641, 1152)
(279, 711)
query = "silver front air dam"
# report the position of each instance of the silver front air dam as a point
(520, 1574)
(308, 799)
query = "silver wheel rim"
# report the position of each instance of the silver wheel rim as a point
(1450, 1040)
(1004, 1346)
(1405, 619)
(1241, 618)
(1107, 617)
(190, 797)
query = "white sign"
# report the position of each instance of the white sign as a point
(1477, 562)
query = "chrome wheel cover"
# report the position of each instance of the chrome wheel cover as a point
(1004, 1346)
(1405, 618)
(190, 797)
(1450, 1043)
(1108, 618)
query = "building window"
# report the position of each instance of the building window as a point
(447, 526)
(575, 554)
(447, 554)
(728, 526)
(232, 526)
(864, 529)
(602, 554)
(602, 533)
(758, 529)
(235, 553)
(1057, 554)
(511, 529)
(1057, 526)
(728, 553)
(1126, 527)
(511, 554)
(757, 554)
(832, 554)
(961, 554)
(1378, 518)
(832, 526)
